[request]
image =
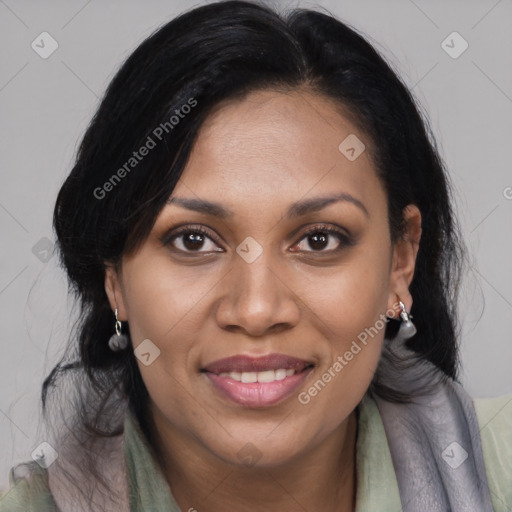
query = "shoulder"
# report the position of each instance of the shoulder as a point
(29, 490)
(494, 416)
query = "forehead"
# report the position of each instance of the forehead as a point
(279, 146)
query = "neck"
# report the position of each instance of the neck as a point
(324, 478)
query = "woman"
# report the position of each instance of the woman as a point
(259, 230)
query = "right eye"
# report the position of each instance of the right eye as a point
(190, 239)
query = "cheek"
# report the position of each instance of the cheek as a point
(348, 298)
(162, 299)
(162, 306)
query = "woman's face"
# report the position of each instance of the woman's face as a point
(269, 322)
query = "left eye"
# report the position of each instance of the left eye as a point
(320, 239)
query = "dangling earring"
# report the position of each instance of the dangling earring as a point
(407, 328)
(118, 341)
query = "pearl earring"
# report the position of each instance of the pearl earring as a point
(407, 328)
(118, 341)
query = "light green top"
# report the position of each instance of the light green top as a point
(377, 488)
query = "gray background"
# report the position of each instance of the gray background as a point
(46, 104)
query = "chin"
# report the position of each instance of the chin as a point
(256, 451)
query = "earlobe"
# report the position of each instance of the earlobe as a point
(114, 292)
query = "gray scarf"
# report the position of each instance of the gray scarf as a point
(434, 440)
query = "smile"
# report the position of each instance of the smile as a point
(257, 382)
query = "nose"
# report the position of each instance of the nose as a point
(257, 298)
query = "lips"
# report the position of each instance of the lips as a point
(241, 364)
(257, 382)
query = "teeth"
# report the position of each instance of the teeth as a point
(265, 376)
(282, 373)
(249, 377)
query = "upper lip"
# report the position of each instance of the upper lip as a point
(241, 363)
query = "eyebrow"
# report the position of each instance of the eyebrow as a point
(295, 210)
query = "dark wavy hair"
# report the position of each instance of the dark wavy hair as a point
(220, 51)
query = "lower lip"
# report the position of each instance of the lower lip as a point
(258, 394)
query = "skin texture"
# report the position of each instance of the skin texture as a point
(257, 156)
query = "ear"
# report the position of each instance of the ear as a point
(115, 292)
(404, 260)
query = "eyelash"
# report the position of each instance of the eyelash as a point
(345, 240)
